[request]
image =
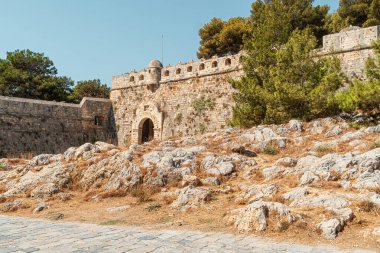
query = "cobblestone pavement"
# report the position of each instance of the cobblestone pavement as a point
(29, 235)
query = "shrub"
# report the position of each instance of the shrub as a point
(324, 148)
(153, 207)
(367, 206)
(270, 150)
(376, 143)
(290, 85)
(201, 104)
(202, 128)
(360, 96)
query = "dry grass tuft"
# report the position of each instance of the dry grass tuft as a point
(90, 194)
(257, 175)
(335, 175)
(375, 189)
(142, 193)
(114, 194)
(276, 198)
(326, 185)
(368, 207)
(3, 188)
(3, 199)
(168, 199)
(290, 181)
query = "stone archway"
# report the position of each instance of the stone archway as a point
(146, 131)
(147, 111)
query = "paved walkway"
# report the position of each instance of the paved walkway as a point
(28, 235)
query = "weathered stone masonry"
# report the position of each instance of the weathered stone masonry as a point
(175, 98)
(180, 100)
(35, 126)
(154, 103)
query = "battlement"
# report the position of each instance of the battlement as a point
(350, 39)
(181, 71)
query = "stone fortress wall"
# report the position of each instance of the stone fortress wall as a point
(157, 102)
(180, 100)
(34, 126)
(353, 46)
(194, 97)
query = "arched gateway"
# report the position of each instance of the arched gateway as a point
(147, 124)
(146, 131)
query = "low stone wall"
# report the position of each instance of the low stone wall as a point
(33, 126)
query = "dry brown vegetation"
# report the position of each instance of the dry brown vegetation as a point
(368, 207)
(3, 188)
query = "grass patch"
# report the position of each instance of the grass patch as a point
(376, 143)
(142, 193)
(111, 222)
(269, 150)
(153, 207)
(165, 219)
(324, 148)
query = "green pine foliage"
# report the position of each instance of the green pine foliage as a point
(364, 95)
(27, 74)
(297, 86)
(363, 13)
(89, 88)
(32, 75)
(220, 37)
(282, 78)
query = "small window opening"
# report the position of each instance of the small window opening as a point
(214, 64)
(166, 73)
(228, 62)
(189, 69)
(132, 79)
(201, 66)
(141, 77)
(178, 71)
(97, 121)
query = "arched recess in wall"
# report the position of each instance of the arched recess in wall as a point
(132, 79)
(166, 73)
(201, 66)
(141, 77)
(178, 71)
(146, 130)
(190, 69)
(147, 110)
(214, 64)
(228, 62)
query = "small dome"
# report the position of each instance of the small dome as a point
(155, 64)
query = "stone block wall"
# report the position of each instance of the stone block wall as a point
(188, 99)
(195, 97)
(33, 126)
(353, 46)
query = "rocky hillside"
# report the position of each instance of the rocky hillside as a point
(322, 176)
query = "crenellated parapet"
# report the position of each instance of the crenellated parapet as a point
(181, 71)
(160, 102)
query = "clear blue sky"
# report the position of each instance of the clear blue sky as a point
(90, 39)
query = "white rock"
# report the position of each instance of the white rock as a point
(296, 193)
(330, 228)
(117, 209)
(190, 197)
(255, 215)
